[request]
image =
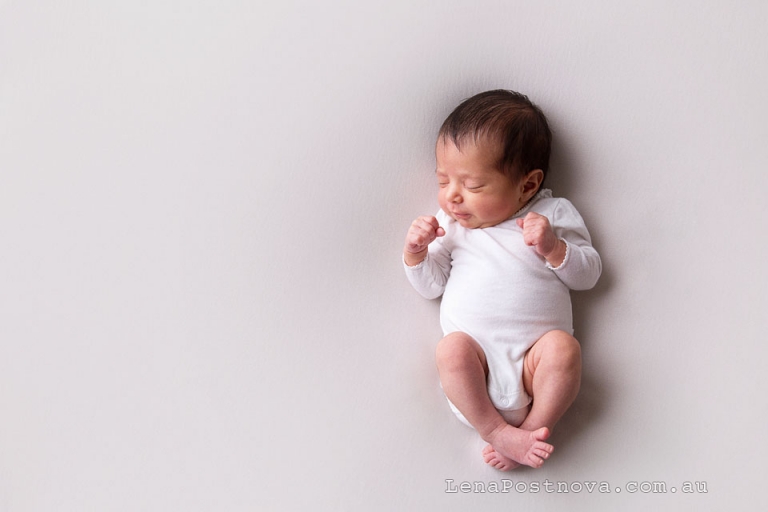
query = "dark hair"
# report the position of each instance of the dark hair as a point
(506, 118)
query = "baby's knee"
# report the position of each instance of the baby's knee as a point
(562, 348)
(456, 350)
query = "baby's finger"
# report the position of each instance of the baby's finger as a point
(429, 225)
(529, 239)
(415, 245)
(419, 234)
(532, 215)
(540, 221)
(426, 233)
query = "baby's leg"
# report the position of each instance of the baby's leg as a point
(552, 376)
(463, 373)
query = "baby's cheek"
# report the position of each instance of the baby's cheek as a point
(441, 201)
(497, 209)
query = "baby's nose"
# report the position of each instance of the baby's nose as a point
(454, 196)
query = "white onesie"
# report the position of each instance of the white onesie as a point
(502, 293)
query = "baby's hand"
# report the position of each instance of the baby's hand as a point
(421, 233)
(538, 233)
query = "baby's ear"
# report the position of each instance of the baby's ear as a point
(532, 181)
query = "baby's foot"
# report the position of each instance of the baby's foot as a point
(497, 460)
(521, 446)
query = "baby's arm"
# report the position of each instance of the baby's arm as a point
(427, 267)
(566, 246)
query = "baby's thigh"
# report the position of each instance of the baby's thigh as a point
(555, 348)
(458, 349)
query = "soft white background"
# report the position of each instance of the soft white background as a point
(202, 210)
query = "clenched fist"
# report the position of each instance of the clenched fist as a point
(538, 233)
(421, 233)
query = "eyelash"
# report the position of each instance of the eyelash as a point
(471, 189)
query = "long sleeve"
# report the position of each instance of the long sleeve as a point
(430, 276)
(582, 265)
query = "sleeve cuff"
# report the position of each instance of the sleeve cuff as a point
(417, 266)
(565, 259)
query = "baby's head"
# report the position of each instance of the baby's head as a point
(506, 122)
(492, 156)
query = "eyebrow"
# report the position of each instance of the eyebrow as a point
(461, 174)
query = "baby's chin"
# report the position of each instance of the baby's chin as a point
(472, 222)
